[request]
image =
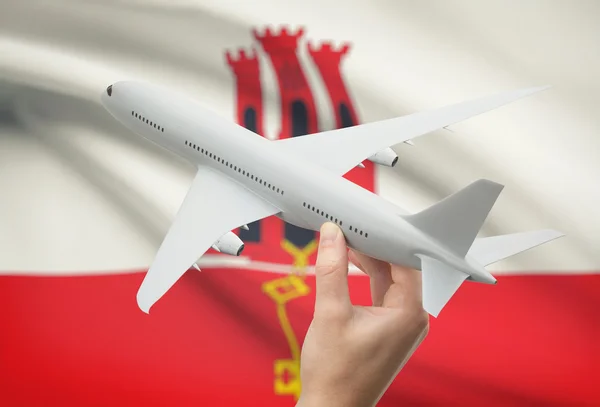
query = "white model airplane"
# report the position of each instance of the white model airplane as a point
(243, 177)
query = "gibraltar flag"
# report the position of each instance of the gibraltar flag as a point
(85, 203)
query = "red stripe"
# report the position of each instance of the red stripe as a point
(81, 341)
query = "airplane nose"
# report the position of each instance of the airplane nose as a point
(104, 97)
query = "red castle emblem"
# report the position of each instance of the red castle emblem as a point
(271, 240)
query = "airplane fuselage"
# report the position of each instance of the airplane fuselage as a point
(304, 192)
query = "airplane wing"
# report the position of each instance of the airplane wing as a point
(341, 150)
(213, 206)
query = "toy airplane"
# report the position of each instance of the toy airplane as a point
(243, 177)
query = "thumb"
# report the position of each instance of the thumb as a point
(331, 271)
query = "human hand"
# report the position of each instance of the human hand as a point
(351, 354)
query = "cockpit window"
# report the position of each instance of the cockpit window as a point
(109, 90)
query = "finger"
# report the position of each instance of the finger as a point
(354, 260)
(406, 289)
(331, 271)
(378, 272)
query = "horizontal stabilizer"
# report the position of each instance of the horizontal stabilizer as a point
(455, 220)
(489, 250)
(440, 282)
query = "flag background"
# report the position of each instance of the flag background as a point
(85, 204)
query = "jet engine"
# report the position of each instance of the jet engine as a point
(229, 243)
(385, 157)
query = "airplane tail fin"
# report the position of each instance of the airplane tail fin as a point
(489, 250)
(455, 220)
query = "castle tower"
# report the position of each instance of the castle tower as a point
(328, 61)
(298, 111)
(249, 103)
(249, 113)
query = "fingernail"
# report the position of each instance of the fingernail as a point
(329, 233)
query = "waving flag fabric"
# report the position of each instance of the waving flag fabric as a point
(85, 203)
